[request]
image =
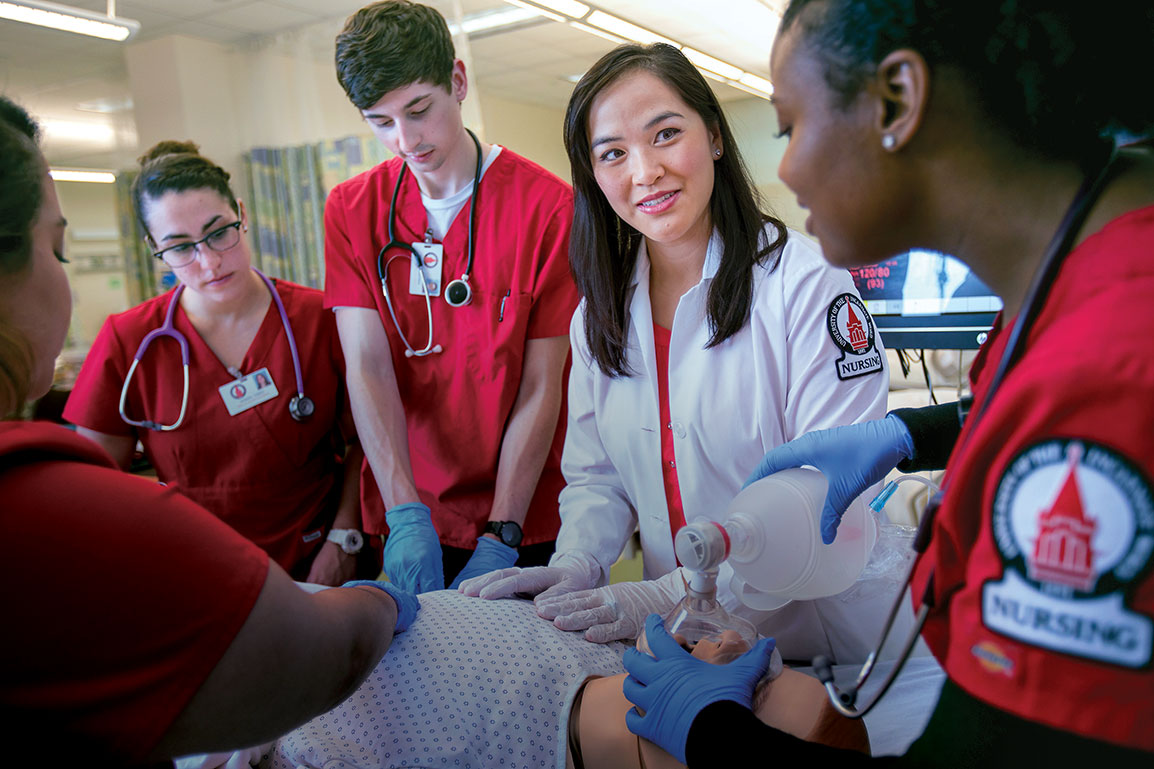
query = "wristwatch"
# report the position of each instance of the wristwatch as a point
(509, 532)
(350, 540)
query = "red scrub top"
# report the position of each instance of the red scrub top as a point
(661, 340)
(1044, 544)
(458, 402)
(273, 479)
(120, 597)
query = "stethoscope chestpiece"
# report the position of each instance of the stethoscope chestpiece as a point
(458, 293)
(301, 407)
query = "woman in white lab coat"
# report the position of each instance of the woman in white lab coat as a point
(708, 335)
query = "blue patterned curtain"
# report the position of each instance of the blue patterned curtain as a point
(289, 186)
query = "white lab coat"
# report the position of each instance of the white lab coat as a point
(771, 382)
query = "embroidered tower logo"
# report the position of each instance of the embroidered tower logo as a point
(852, 330)
(1063, 551)
(1073, 523)
(857, 335)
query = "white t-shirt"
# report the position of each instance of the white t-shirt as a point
(442, 211)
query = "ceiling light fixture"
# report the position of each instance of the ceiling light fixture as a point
(594, 21)
(69, 19)
(76, 175)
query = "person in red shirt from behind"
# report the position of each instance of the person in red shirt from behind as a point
(156, 631)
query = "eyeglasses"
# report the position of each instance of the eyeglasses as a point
(183, 254)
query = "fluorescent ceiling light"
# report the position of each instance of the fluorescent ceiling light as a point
(484, 21)
(71, 175)
(599, 32)
(705, 61)
(757, 83)
(70, 130)
(622, 28)
(537, 9)
(568, 7)
(69, 19)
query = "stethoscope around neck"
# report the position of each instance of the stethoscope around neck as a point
(457, 294)
(301, 407)
(845, 701)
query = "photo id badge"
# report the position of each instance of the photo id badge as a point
(247, 391)
(430, 257)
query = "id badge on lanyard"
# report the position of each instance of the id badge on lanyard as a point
(426, 268)
(247, 391)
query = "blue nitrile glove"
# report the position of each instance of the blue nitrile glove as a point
(407, 603)
(852, 458)
(490, 555)
(412, 557)
(673, 686)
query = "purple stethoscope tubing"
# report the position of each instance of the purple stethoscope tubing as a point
(301, 406)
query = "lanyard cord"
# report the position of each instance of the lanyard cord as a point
(472, 205)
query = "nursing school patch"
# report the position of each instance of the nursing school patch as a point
(1073, 523)
(852, 330)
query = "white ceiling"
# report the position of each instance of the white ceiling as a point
(59, 75)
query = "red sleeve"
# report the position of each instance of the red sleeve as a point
(143, 593)
(554, 294)
(345, 281)
(95, 398)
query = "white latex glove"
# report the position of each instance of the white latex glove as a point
(615, 612)
(566, 573)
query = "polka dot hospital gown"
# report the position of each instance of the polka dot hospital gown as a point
(471, 684)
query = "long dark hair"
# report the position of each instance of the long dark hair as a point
(1058, 78)
(603, 248)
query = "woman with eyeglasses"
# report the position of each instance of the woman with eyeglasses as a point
(1004, 133)
(242, 446)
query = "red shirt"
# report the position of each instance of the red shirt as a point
(1043, 546)
(273, 479)
(458, 402)
(661, 338)
(121, 596)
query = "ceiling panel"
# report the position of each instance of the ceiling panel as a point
(52, 72)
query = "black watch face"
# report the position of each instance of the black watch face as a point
(510, 534)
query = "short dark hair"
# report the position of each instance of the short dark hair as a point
(21, 184)
(390, 45)
(603, 248)
(174, 166)
(1057, 78)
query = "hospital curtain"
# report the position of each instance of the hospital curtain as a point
(289, 186)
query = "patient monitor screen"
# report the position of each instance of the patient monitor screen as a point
(924, 299)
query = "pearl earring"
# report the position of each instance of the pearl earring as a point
(717, 153)
(889, 141)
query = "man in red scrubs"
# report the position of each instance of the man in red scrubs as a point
(448, 269)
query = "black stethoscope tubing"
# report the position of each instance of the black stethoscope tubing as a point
(461, 283)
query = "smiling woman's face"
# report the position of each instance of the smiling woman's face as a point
(653, 157)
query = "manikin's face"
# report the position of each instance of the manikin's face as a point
(831, 160)
(653, 158)
(189, 215)
(36, 299)
(421, 122)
